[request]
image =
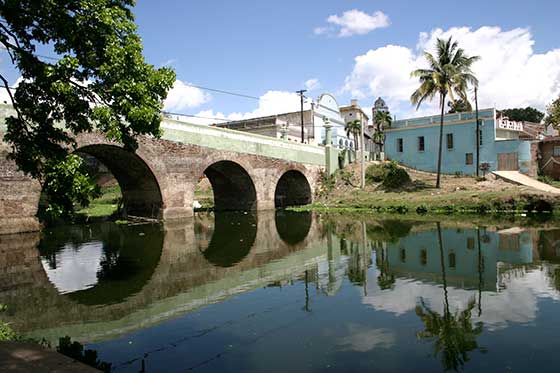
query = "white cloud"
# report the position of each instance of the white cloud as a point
(272, 102)
(524, 291)
(363, 339)
(183, 96)
(510, 73)
(354, 22)
(312, 84)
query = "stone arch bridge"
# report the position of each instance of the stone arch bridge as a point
(246, 171)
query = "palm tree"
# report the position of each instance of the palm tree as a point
(354, 128)
(382, 119)
(449, 74)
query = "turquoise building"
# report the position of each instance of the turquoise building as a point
(503, 144)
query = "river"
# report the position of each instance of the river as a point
(285, 291)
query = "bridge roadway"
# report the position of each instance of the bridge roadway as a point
(179, 277)
(247, 172)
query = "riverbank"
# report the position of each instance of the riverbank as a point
(458, 194)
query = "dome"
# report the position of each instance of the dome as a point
(380, 103)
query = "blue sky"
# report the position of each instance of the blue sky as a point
(255, 47)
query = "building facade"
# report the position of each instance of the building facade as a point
(414, 143)
(324, 108)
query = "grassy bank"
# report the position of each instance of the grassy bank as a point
(458, 195)
(104, 206)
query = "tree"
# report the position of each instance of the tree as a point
(382, 119)
(449, 74)
(528, 114)
(354, 128)
(553, 114)
(459, 106)
(95, 80)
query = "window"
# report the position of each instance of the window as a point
(468, 158)
(556, 151)
(400, 145)
(421, 143)
(423, 257)
(403, 255)
(452, 260)
(449, 141)
(470, 243)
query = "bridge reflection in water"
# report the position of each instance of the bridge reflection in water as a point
(95, 282)
(99, 282)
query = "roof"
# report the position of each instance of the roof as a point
(353, 107)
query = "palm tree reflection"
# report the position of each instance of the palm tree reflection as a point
(385, 279)
(453, 334)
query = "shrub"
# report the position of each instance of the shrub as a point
(458, 174)
(376, 173)
(421, 210)
(6, 332)
(395, 177)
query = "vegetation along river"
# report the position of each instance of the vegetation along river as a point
(289, 291)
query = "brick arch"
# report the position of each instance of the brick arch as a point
(232, 185)
(293, 187)
(139, 186)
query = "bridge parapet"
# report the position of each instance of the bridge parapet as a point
(242, 142)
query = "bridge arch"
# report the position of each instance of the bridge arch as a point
(232, 186)
(292, 189)
(140, 188)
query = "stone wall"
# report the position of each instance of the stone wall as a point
(157, 181)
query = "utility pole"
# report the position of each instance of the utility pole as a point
(300, 93)
(477, 132)
(362, 161)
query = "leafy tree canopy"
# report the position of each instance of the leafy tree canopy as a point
(553, 114)
(97, 81)
(459, 106)
(528, 114)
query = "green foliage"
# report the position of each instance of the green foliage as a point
(449, 74)
(395, 177)
(6, 332)
(66, 183)
(328, 183)
(459, 106)
(99, 82)
(422, 210)
(382, 120)
(354, 128)
(389, 174)
(528, 114)
(553, 114)
(375, 173)
(76, 351)
(545, 179)
(458, 174)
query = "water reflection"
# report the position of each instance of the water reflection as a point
(102, 263)
(230, 236)
(241, 292)
(453, 334)
(293, 227)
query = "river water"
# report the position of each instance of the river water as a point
(292, 292)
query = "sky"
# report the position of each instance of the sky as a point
(350, 48)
